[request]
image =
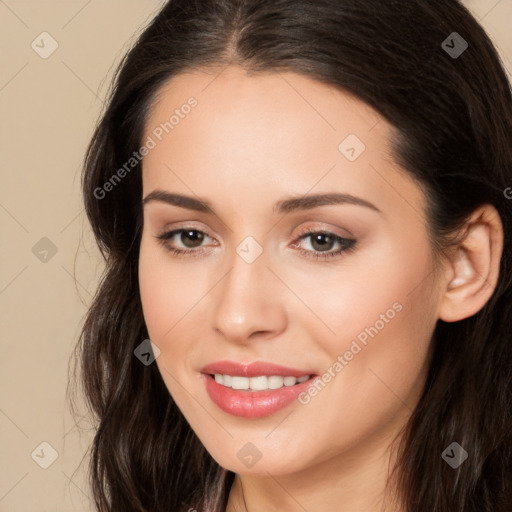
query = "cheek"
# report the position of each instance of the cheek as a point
(382, 312)
(174, 301)
(386, 283)
(166, 291)
(166, 299)
(156, 296)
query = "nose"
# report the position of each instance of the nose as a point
(249, 302)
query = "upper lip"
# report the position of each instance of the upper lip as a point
(253, 369)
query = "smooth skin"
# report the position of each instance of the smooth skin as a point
(252, 141)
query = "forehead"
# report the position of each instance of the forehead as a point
(279, 132)
(260, 106)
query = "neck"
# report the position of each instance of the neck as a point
(354, 481)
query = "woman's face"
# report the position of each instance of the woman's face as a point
(353, 315)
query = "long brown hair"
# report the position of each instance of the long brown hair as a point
(453, 116)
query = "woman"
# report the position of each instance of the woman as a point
(306, 304)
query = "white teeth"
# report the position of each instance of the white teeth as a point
(289, 381)
(239, 382)
(275, 382)
(259, 383)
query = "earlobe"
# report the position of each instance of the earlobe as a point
(473, 270)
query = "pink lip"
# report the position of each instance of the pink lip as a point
(253, 369)
(253, 404)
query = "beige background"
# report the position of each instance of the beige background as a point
(48, 109)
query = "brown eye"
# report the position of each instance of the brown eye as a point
(322, 243)
(193, 236)
(189, 241)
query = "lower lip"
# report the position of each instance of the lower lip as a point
(253, 404)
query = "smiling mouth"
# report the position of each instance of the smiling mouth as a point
(257, 383)
(255, 389)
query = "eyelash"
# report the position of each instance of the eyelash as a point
(347, 244)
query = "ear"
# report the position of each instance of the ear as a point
(473, 266)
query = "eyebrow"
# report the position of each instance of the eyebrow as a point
(291, 204)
